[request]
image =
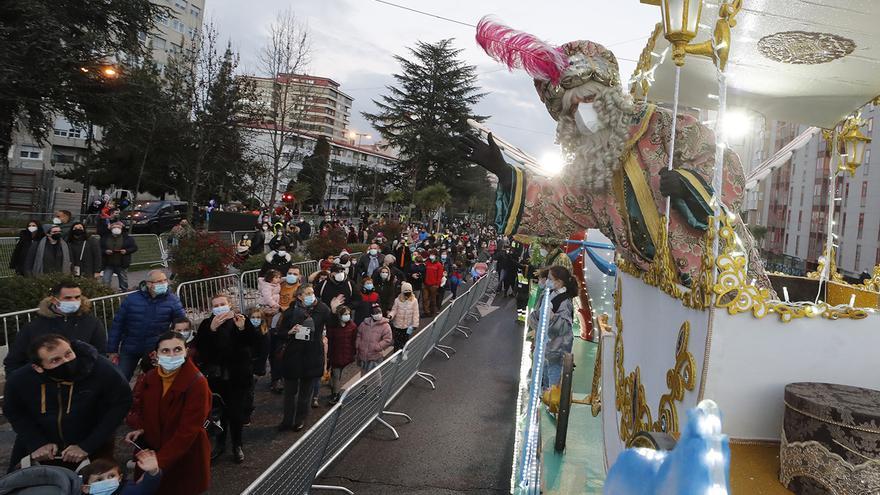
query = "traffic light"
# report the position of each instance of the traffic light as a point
(288, 197)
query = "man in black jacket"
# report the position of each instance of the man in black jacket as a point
(117, 248)
(67, 313)
(338, 284)
(68, 403)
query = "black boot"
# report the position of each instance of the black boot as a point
(238, 455)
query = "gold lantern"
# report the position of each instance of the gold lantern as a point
(854, 143)
(681, 20)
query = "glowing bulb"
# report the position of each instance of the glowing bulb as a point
(552, 163)
(736, 124)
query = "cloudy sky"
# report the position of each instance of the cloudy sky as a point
(354, 42)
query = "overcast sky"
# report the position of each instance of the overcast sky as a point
(354, 42)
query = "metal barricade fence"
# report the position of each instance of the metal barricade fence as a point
(412, 355)
(151, 251)
(105, 307)
(238, 234)
(222, 235)
(307, 268)
(437, 330)
(7, 246)
(250, 292)
(12, 323)
(196, 295)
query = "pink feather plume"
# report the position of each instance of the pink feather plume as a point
(521, 50)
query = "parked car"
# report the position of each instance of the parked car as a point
(155, 217)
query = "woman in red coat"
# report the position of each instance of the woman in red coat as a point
(342, 335)
(168, 415)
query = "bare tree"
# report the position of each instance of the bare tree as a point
(284, 103)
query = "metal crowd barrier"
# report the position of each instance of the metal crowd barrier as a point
(196, 295)
(151, 251)
(7, 246)
(364, 403)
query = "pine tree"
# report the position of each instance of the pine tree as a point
(314, 171)
(423, 113)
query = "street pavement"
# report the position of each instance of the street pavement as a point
(462, 434)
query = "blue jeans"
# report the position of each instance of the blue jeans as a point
(552, 374)
(128, 362)
(120, 272)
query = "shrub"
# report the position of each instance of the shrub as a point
(201, 256)
(20, 293)
(255, 261)
(390, 229)
(324, 245)
(358, 248)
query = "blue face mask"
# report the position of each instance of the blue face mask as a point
(171, 363)
(368, 286)
(291, 279)
(309, 300)
(160, 289)
(219, 310)
(256, 322)
(68, 307)
(104, 487)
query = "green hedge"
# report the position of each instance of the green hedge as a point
(20, 293)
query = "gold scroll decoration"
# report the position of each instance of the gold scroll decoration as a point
(630, 402)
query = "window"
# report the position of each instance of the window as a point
(802, 195)
(30, 153)
(68, 133)
(861, 225)
(180, 5)
(797, 242)
(159, 43)
(866, 163)
(877, 257)
(162, 19)
(871, 124)
(858, 258)
(864, 194)
(178, 26)
(195, 11)
(800, 218)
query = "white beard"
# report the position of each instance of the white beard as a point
(593, 157)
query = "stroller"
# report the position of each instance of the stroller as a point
(41, 480)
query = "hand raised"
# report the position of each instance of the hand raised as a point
(485, 154)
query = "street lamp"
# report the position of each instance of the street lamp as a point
(681, 20)
(855, 144)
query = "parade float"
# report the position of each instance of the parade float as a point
(790, 361)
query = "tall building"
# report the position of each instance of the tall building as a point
(317, 106)
(174, 32)
(797, 206)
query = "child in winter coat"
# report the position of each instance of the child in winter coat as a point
(270, 291)
(105, 476)
(455, 279)
(373, 338)
(342, 336)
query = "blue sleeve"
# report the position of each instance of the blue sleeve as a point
(114, 336)
(177, 308)
(148, 485)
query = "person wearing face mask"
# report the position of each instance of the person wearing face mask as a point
(258, 239)
(342, 343)
(404, 315)
(368, 263)
(305, 229)
(142, 317)
(278, 259)
(374, 337)
(560, 339)
(171, 405)
(65, 312)
(363, 301)
(344, 261)
(105, 476)
(62, 219)
(50, 254)
(117, 248)
(85, 251)
(434, 274)
(302, 354)
(28, 236)
(226, 344)
(385, 284)
(416, 275)
(67, 403)
(338, 284)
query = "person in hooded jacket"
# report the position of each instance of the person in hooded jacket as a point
(67, 403)
(29, 235)
(226, 344)
(302, 355)
(374, 337)
(336, 285)
(278, 259)
(85, 252)
(342, 341)
(171, 405)
(142, 317)
(67, 313)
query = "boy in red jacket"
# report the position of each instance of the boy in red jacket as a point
(434, 273)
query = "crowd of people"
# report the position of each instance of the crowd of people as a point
(183, 390)
(67, 247)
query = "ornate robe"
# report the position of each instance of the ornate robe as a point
(629, 213)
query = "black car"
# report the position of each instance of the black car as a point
(155, 217)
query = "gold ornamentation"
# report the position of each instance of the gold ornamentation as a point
(643, 68)
(805, 48)
(661, 274)
(873, 283)
(635, 415)
(814, 461)
(718, 47)
(595, 397)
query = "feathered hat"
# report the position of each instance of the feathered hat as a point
(554, 68)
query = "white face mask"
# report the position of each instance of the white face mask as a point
(56, 221)
(116, 231)
(587, 119)
(339, 277)
(282, 252)
(32, 229)
(346, 318)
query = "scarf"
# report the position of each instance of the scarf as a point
(41, 251)
(167, 378)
